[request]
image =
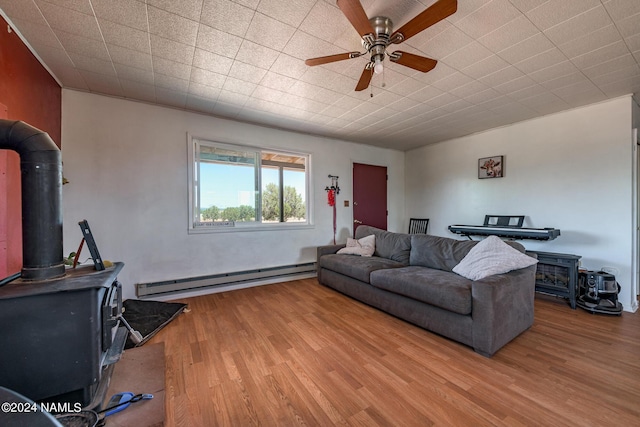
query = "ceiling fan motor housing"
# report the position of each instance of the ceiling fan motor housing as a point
(383, 27)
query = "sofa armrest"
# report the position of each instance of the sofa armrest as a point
(502, 308)
(325, 250)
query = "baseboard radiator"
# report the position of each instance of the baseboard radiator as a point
(144, 290)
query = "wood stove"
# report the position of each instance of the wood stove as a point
(59, 338)
(59, 334)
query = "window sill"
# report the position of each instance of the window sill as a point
(243, 228)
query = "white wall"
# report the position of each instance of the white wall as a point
(571, 171)
(127, 167)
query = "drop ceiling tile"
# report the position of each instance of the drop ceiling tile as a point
(186, 8)
(70, 77)
(232, 97)
(525, 49)
(620, 88)
(554, 12)
(54, 57)
(134, 74)
(620, 9)
(137, 90)
(226, 16)
(269, 32)
(471, 88)
(94, 65)
(216, 41)
(589, 94)
(209, 78)
(70, 21)
(590, 41)
(442, 100)
(172, 26)
(329, 80)
(527, 5)
(83, 46)
(558, 70)
(246, 72)
(384, 98)
(171, 68)
(325, 22)
(633, 42)
(126, 12)
(452, 81)
(197, 103)
(346, 102)
(485, 67)
(488, 18)
(514, 32)
(603, 54)
(204, 90)
(83, 6)
(172, 83)
(121, 35)
(22, 10)
(406, 87)
(277, 81)
(101, 83)
(171, 98)
(515, 85)
(268, 94)
(304, 46)
(470, 54)
(212, 62)
(624, 74)
(257, 55)
(252, 4)
(541, 61)
(172, 50)
(238, 86)
(446, 42)
(292, 13)
(629, 26)
(606, 67)
(526, 92)
(289, 66)
(131, 58)
(586, 22)
(37, 34)
(483, 97)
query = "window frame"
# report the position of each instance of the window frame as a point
(240, 226)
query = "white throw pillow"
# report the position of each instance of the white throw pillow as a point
(363, 247)
(492, 256)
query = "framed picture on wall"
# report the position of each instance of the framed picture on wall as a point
(491, 167)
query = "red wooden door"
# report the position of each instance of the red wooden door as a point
(369, 196)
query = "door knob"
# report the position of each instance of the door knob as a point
(355, 221)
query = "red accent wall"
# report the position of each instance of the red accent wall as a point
(27, 93)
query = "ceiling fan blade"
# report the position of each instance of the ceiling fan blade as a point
(331, 58)
(410, 60)
(355, 13)
(365, 79)
(431, 15)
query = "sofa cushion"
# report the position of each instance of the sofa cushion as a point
(492, 256)
(363, 247)
(436, 287)
(356, 267)
(443, 253)
(394, 246)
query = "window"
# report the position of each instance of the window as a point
(232, 186)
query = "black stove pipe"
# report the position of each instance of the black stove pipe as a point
(41, 171)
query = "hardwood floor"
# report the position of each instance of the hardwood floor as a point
(298, 353)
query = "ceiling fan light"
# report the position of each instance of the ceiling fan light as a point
(378, 67)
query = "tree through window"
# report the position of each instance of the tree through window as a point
(242, 186)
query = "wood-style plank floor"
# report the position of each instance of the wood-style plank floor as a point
(298, 353)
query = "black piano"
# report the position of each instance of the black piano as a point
(509, 227)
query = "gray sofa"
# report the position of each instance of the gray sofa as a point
(410, 277)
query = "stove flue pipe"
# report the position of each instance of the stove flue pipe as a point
(41, 171)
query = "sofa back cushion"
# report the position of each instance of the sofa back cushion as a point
(393, 246)
(442, 253)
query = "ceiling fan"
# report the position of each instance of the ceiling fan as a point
(377, 33)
